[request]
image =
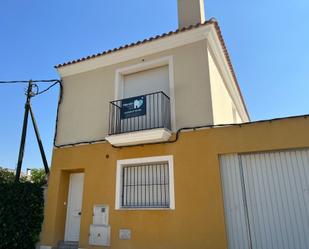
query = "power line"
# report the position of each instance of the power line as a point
(45, 90)
(37, 92)
(32, 91)
(30, 94)
(13, 81)
(27, 81)
(45, 80)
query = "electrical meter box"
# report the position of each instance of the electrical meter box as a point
(100, 215)
(99, 235)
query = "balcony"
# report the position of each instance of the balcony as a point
(140, 120)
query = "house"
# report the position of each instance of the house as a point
(154, 148)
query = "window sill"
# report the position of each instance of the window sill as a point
(140, 137)
(145, 209)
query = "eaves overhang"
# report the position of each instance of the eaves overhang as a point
(138, 43)
(136, 50)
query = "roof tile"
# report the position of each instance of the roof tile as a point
(211, 21)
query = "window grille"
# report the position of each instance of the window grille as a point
(145, 186)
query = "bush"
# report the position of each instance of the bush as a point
(21, 215)
(38, 176)
(7, 176)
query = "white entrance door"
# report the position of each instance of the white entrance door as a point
(75, 197)
(266, 199)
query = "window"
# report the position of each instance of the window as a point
(145, 183)
(147, 77)
(147, 81)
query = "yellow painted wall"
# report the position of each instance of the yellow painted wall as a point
(198, 220)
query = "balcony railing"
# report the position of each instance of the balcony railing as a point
(140, 113)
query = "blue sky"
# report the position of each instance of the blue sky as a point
(267, 40)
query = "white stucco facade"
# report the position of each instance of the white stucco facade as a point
(200, 90)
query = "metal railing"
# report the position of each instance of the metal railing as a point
(139, 113)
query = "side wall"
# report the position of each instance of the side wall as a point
(83, 114)
(224, 108)
(198, 220)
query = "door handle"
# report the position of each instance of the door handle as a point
(79, 213)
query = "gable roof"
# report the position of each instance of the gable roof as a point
(211, 21)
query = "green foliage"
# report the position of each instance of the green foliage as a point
(38, 176)
(21, 215)
(6, 176)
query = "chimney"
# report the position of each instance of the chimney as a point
(190, 12)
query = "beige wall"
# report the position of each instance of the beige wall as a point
(198, 219)
(83, 114)
(222, 101)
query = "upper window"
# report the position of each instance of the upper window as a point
(145, 183)
(147, 81)
(153, 78)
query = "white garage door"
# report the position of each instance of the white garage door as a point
(266, 199)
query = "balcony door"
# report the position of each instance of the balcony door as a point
(147, 81)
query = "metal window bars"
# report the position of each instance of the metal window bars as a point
(145, 186)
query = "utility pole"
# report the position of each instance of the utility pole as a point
(38, 138)
(24, 132)
(29, 95)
